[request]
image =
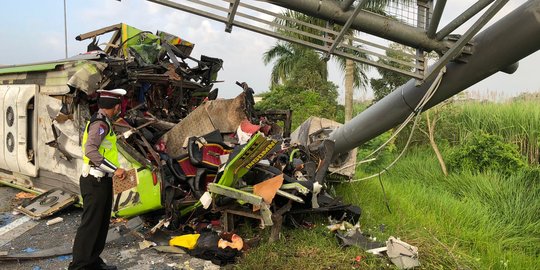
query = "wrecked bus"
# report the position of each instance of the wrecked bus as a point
(185, 148)
(46, 105)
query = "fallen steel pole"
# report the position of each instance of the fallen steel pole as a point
(366, 22)
(497, 48)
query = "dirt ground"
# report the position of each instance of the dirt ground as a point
(123, 252)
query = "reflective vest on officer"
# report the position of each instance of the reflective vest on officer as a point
(107, 148)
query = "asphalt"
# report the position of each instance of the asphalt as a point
(36, 236)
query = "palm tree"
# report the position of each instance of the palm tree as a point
(355, 77)
(286, 56)
(284, 52)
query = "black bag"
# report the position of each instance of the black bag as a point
(207, 249)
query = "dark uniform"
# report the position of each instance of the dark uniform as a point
(100, 162)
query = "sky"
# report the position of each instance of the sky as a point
(33, 31)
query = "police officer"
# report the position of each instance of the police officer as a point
(100, 157)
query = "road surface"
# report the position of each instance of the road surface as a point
(20, 234)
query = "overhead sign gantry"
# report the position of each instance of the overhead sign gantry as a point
(353, 30)
(466, 59)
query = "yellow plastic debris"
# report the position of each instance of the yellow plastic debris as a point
(188, 241)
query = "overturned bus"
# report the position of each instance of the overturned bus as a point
(184, 146)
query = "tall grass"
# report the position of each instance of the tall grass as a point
(463, 221)
(517, 122)
(315, 248)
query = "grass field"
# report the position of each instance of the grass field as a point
(458, 222)
(461, 221)
(516, 122)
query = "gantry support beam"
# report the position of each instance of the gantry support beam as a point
(462, 18)
(276, 34)
(365, 22)
(346, 4)
(497, 48)
(436, 18)
(345, 28)
(233, 7)
(464, 39)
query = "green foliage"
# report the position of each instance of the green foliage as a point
(527, 97)
(483, 152)
(304, 103)
(446, 129)
(463, 221)
(390, 80)
(287, 56)
(359, 77)
(358, 107)
(383, 157)
(517, 122)
(315, 248)
(306, 93)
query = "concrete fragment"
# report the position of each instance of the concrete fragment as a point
(208, 265)
(54, 221)
(146, 244)
(128, 253)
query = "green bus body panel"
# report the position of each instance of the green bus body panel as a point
(29, 68)
(149, 196)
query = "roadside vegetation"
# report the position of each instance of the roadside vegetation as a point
(466, 192)
(483, 215)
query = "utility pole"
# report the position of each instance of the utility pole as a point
(65, 29)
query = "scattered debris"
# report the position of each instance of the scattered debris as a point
(146, 244)
(169, 249)
(357, 238)
(119, 220)
(188, 241)
(29, 250)
(54, 221)
(206, 161)
(207, 249)
(47, 203)
(351, 235)
(24, 195)
(32, 254)
(130, 227)
(357, 262)
(236, 242)
(403, 255)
